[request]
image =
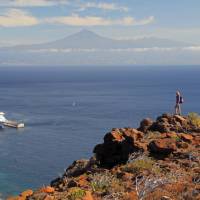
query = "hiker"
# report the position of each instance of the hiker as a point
(179, 101)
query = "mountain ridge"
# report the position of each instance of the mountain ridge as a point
(88, 48)
(89, 39)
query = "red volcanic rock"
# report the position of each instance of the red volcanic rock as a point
(117, 146)
(186, 137)
(180, 119)
(27, 193)
(88, 196)
(48, 189)
(48, 197)
(132, 196)
(171, 135)
(168, 123)
(114, 135)
(23, 196)
(82, 181)
(182, 145)
(145, 124)
(16, 198)
(162, 146)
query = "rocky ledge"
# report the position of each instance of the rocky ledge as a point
(158, 161)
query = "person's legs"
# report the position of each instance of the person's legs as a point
(179, 109)
(176, 109)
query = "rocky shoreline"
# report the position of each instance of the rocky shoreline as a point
(160, 160)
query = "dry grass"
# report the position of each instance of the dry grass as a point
(105, 183)
(140, 164)
(76, 193)
(194, 119)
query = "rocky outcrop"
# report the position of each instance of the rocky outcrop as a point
(162, 146)
(167, 123)
(145, 124)
(159, 160)
(118, 145)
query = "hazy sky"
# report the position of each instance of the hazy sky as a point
(35, 21)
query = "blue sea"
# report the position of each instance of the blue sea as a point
(67, 111)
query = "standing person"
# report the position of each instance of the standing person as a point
(179, 101)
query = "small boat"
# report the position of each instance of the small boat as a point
(13, 124)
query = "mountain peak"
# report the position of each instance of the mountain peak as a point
(85, 34)
(86, 31)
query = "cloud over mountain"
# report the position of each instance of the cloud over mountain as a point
(76, 20)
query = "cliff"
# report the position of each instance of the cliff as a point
(160, 160)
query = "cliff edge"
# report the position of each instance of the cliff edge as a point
(160, 160)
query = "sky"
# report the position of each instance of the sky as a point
(37, 21)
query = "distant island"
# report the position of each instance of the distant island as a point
(88, 48)
(160, 160)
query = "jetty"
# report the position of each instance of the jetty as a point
(9, 123)
(13, 124)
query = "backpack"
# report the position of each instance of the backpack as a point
(181, 100)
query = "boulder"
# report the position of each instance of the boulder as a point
(186, 137)
(145, 124)
(88, 196)
(167, 123)
(48, 189)
(162, 127)
(78, 168)
(117, 146)
(180, 119)
(162, 146)
(26, 193)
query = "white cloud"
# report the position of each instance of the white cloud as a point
(92, 50)
(16, 17)
(132, 21)
(31, 3)
(69, 50)
(192, 48)
(45, 3)
(103, 6)
(134, 50)
(76, 20)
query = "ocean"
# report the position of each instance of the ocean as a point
(67, 111)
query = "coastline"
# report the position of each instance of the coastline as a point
(165, 152)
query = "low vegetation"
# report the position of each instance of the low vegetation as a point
(194, 119)
(105, 183)
(140, 164)
(76, 193)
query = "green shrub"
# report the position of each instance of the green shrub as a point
(140, 164)
(177, 138)
(105, 183)
(76, 194)
(194, 119)
(152, 135)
